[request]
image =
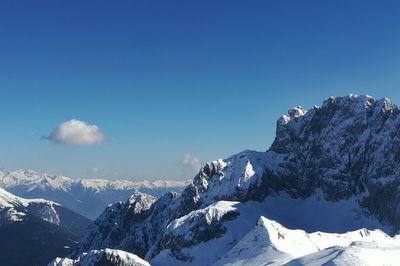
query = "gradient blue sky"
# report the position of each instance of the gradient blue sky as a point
(165, 78)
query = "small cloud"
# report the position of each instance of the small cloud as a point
(76, 132)
(93, 170)
(189, 161)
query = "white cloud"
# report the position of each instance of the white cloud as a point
(92, 170)
(190, 162)
(76, 132)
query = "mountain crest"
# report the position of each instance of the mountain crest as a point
(342, 159)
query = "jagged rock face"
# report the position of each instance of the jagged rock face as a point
(196, 227)
(347, 148)
(118, 220)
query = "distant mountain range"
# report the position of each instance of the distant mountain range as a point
(32, 232)
(334, 168)
(87, 197)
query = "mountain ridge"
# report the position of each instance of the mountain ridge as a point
(87, 197)
(39, 229)
(328, 157)
(269, 243)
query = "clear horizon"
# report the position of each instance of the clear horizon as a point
(154, 90)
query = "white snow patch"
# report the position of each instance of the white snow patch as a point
(269, 243)
(114, 256)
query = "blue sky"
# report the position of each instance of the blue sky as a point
(166, 78)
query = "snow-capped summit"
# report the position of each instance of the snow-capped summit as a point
(293, 113)
(13, 208)
(349, 146)
(17, 209)
(39, 229)
(334, 168)
(102, 257)
(270, 243)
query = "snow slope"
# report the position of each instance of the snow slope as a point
(358, 253)
(216, 229)
(269, 243)
(34, 231)
(13, 209)
(266, 243)
(17, 209)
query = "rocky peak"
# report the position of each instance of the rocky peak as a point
(296, 112)
(346, 147)
(140, 202)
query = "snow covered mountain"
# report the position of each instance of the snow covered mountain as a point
(101, 258)
(87, 197)
(269, 243)
(334, 168)
(34, 231)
